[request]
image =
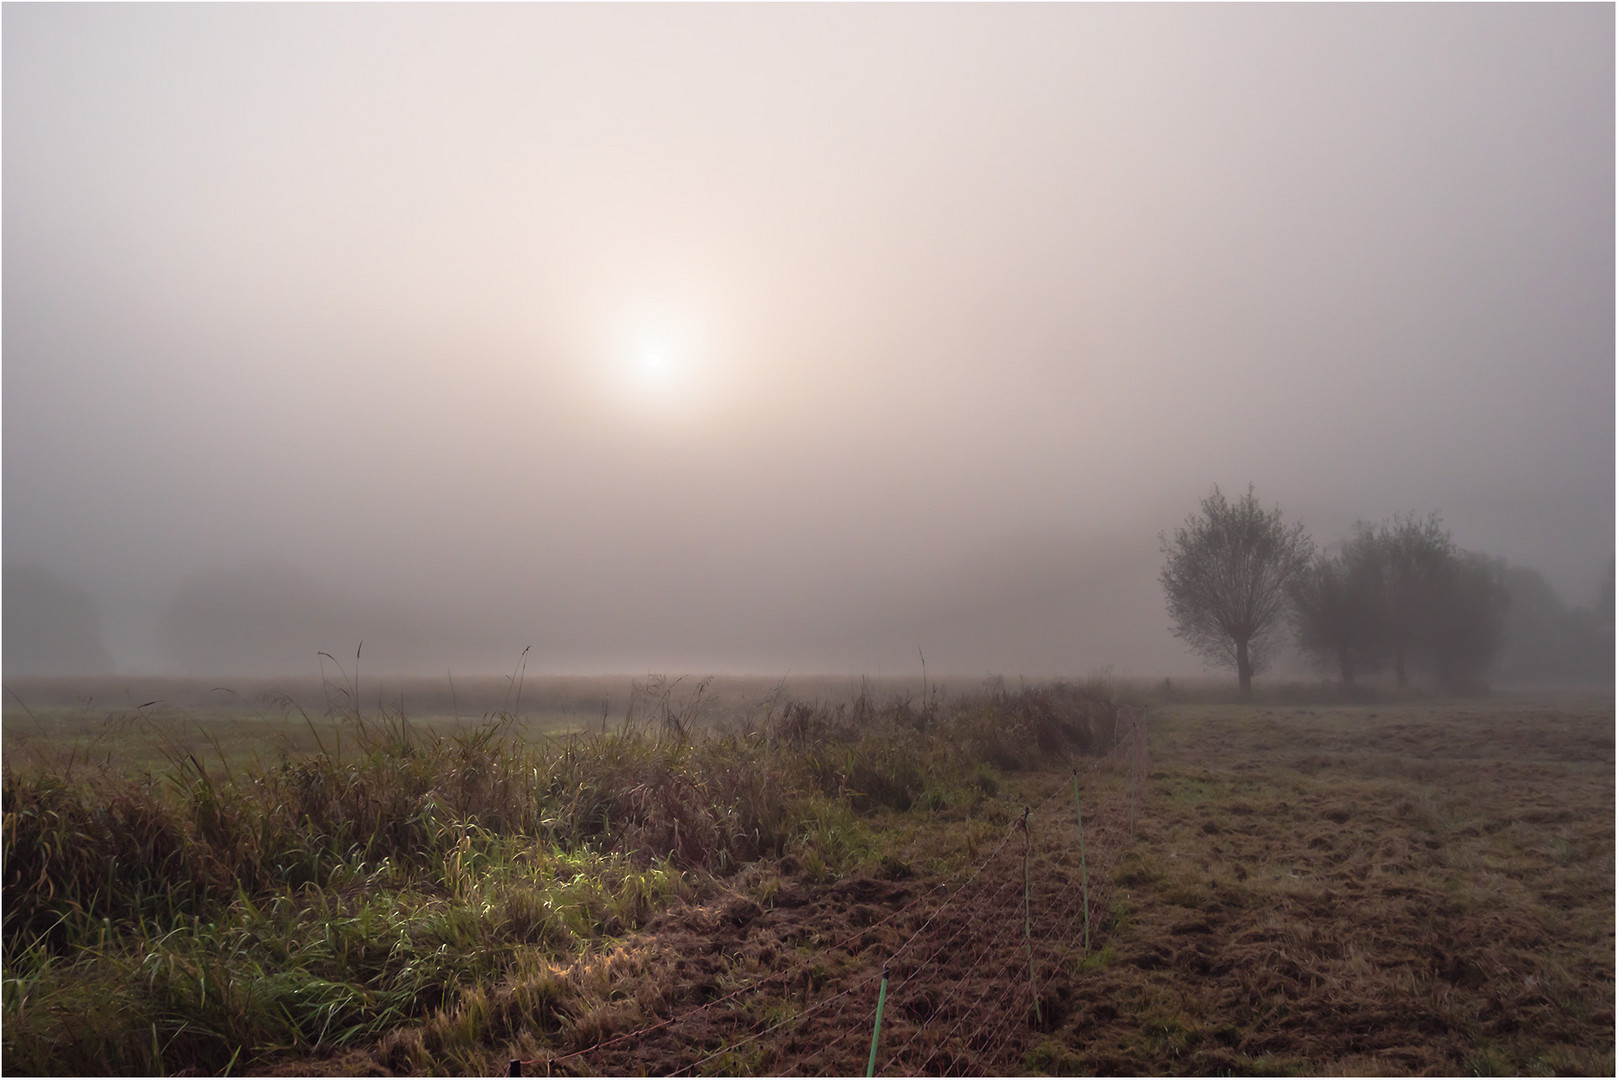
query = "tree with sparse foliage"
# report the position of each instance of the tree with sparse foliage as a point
(1226, 575)
(1339, 608)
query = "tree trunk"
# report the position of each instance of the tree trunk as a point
(1346, 668)
(1399, 663)
(1244, 669)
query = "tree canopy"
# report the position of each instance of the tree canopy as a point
(1401, 591)
(1340, 609)
(1226, 577)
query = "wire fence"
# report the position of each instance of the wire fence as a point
(993, 959)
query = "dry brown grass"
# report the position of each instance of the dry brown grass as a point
(1366, 889)
(1378, 888)
(1389, 890)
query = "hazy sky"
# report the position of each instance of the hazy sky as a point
(769, 337)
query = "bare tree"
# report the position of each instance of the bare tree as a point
(1225, 576)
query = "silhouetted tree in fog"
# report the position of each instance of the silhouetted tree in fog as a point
(1340, 609)
(1604, 599)
(1403, 590)
(1225, 576)
(52, 627)
(1467, 620)
(1414, 555)
(1602, 616)
(1545, 640)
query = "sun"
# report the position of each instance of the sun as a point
(662, 376)
(660, 365)
(657, 376)
(655, 371)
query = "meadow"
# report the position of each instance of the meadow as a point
(711, 877)
(1383, 888)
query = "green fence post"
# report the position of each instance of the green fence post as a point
(876, 1029)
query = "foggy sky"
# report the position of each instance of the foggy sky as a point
(782, 337)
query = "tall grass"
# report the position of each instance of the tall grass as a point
(202, 917)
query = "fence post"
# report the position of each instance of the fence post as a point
(876, 1029)
(1084, 872)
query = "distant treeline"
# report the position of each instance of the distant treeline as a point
(1398, 596)
(1401, 596)
(270, 620)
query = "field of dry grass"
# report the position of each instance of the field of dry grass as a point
(1367, 889)
(1422, 887)
(136, 722)
(1393, 889)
